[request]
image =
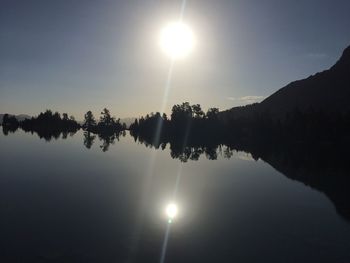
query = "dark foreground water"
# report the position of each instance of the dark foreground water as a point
(62, 202)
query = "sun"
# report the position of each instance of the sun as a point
(177, 40)
(171, 211)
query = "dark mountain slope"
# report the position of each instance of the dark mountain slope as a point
(327, 91)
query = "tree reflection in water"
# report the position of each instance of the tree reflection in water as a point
(324, 167)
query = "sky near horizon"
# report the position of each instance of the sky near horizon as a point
(74, 56)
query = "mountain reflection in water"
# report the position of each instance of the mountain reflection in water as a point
(101, 197)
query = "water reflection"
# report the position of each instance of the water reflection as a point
(89, 139)
(193, 152)
(105, 208)
(46, 134)
(9, 129)
(108, 139)
(323, 167)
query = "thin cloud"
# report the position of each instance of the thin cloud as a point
(247, 99)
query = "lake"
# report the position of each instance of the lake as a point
(63, 202)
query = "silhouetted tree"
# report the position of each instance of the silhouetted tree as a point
(106, 119)
(197, 111)
(65, 117)
(9, 124)
(5, 119)
(212, 113)
(9, 120)
(181, 113)
(89, 121)
(48, 125)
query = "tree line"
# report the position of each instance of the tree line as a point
(53, 123)
(186, 120)
(190, 124)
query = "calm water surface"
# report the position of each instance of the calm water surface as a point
(62, 202)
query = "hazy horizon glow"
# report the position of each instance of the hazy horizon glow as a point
(75, 56)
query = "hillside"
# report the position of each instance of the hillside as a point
(328, 91)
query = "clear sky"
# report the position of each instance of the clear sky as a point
(79, 55)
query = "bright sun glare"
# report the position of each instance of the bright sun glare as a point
(171, 211)
(176, 40)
